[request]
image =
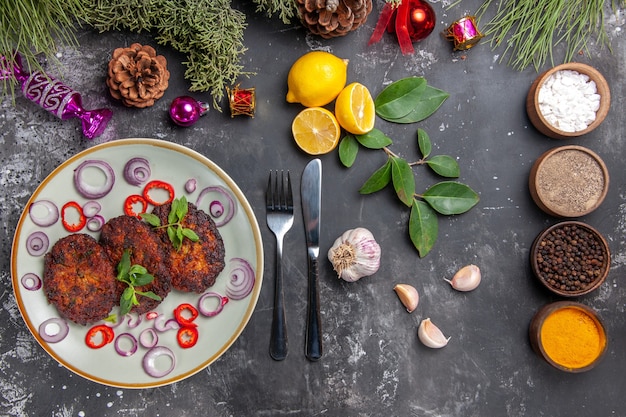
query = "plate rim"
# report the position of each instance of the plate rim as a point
(241, 198)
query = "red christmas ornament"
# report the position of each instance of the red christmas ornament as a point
(411, 20)
(421, 20)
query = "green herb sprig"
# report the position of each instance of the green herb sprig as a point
(134, 276)
(176, 232)
(411, 100)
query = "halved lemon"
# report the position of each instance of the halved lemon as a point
(316, 130)
(354, 109)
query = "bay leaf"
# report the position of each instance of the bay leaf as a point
(450, 197)
(375, 139)
(424, 143)
(403, 180)
(348, 150)
(378, 180)
(423, 227)
(444, 165)
(399, 98)
(430, 99)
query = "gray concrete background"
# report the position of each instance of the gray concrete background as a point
(373, 363)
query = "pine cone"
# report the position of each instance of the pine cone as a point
(137, 76)
(333, 18)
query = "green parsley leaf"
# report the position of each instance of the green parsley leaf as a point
(176, 233)
(133, 276)
(151, 219)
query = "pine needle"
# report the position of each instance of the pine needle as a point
(33, 28)
(529, 30)
(286, 9)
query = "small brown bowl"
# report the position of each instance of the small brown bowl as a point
(555, 338)
(569, 181)
(570, 258)
(545, 127)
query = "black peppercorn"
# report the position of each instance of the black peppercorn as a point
(570, 258)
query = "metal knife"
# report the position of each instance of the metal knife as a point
(311, 197)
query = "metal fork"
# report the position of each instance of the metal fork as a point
(279, 208)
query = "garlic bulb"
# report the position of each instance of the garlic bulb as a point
(466, 278)
(408, 295)
(355, 254)
(430, 335)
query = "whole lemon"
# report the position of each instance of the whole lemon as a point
(316, 79)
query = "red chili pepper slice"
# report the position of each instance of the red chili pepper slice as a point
(158, 185)
(130, 203)
(187, 337)
(185, 314)
(105, 333)
(82, 219)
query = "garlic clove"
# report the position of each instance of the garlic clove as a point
(408, 295)
(466, 278)
(430, 335)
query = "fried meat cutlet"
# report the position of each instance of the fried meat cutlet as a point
(128, 232)
(79, 279)
(196, 265)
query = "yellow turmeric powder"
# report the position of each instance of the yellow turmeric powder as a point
(572, 338)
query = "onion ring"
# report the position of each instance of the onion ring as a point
(133, 321)
(37, 243)
(63, 330)
(211, 313)
(229, 207)
(162, 324)
(216, 209)
(122, 351)
(241, 281)
(94, 191)
(137, 171)
(148, 338)
(31, 281)
(91, 208)
(95, 223)
(51, 216)
(149, 361)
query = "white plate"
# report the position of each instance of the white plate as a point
(174, 164)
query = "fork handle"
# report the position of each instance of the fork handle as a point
(313, 344)
(278, 338)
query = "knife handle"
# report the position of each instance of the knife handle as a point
(313, 329)
(278, 337)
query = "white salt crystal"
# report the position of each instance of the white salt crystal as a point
(568, 100)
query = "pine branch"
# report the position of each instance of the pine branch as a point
(209, 32)
(34, 28)
(530, 29)
(286, 9)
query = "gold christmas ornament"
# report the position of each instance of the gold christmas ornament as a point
(137, 76)
(333, 18)
(242, 101)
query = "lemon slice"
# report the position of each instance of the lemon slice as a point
(354, 109)
(316, 130)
